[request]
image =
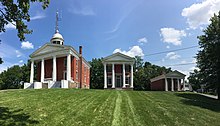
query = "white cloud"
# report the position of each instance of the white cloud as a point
(38, 16)
(133, 51)
(199, 13)
(27, 45)
(172, 56)
(183, 62)
(167, 47)
(193, 68)
(10, 26)
(126, 10)
(85, 11)
(7, 51)
(172, 36)
(18, 53)
(194, 60)
(21, 61)
(143, 40)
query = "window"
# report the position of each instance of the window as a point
(77, 75)
(109, 68)
(76, 62)
(127, 68)
(65, 62)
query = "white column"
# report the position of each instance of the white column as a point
(105, 76)
(68, 68)
(123, 75)
(32, 72)
(132, 86)
(172, 85)
(42, 71)
(166, 85)
(178, 84)
(113, 75)
(54, 69)
(183, 84)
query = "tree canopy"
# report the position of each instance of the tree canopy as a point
(17, 13)
(96, 74)
(209, 56)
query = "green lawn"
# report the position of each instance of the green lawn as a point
(106, 107)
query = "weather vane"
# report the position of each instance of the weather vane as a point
(57, 19)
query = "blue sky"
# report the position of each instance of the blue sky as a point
(133, 27)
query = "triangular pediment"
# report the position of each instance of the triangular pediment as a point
(48, 48)
(175, 74)
(118, 57)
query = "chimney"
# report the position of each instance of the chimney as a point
(80, 67)
(80, 50)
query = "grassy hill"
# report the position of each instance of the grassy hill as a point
(106, 107)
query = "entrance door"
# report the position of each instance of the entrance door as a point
(118, 81)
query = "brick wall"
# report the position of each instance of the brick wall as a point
(118, 68)
(48, 68)
(158, 85)
(60, 68)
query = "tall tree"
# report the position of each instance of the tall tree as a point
(16, 12)
(96, 74)
(209, 56)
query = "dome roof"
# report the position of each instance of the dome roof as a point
(57, 35)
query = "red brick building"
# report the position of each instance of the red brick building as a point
(58, 66)
(173, 81)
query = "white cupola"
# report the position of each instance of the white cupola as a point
(57, 37)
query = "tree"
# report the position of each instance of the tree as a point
(1, 60)
(138, 63)
(195, 79)
(13, 77)
(145, 72)
(17, 13)
(96, 74)
(209, 56)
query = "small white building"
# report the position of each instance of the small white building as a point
(118, 71)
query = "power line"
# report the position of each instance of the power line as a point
(182, 64)
(172, 50)
(182, 58)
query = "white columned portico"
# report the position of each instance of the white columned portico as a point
(166, 84)
(172, 85)
(32, 72)
(42, 70)
(113, 75)
(54, 69)
(178, 84)
(132, 76)
(68, 68)
(105, 76)
(183, 84)
(123, 75)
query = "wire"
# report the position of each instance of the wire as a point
(172, 50)
(182, 64)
